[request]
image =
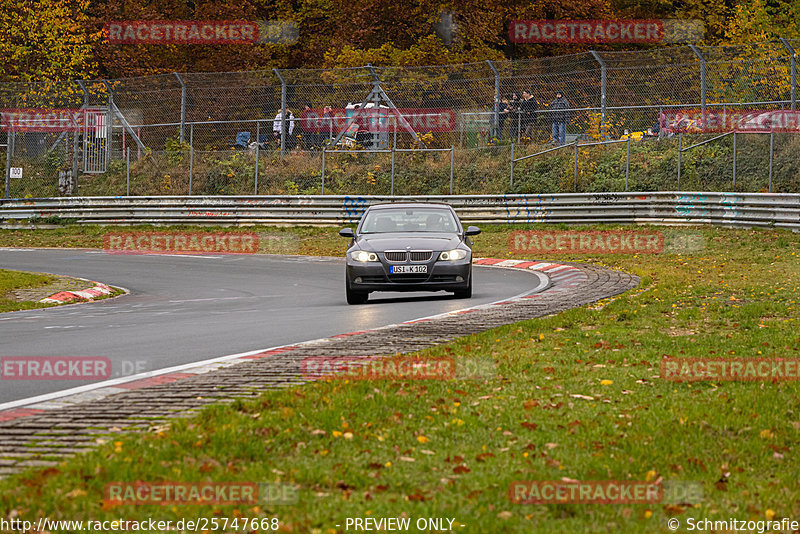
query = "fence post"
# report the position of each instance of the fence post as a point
(9, 134)
(680, 151)
(191, 156)
(460, 131)
(576, 165)
(603, 79)
(75, 135)
(128, 171)
(702, 59)
(792, 70)
(258, 132)
(627, 162)
(512, 165)
(496, 106)
(391, 190)
(452, 158)
(323, 169)
(734, 159)
(284, 119)
(183, 104)
(771, 141)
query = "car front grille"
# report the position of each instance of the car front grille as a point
(414, 255)
(395, 255)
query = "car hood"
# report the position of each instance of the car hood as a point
(417, 241)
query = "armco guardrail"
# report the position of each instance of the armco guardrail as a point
(670, 208)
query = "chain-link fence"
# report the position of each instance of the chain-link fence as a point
(226, 133)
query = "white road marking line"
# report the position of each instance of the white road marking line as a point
(202, 256)
(223, 298)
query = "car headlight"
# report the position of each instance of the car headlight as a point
(453, 255)
(363, 256)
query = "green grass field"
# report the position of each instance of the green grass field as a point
(11, 280)
(574, 396)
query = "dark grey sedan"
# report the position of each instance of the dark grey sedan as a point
(408, 247)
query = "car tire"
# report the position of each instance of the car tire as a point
(355, 297)
(464, 293)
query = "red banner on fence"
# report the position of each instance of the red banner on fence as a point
(52, 120)
(379, 120)
(586, 31)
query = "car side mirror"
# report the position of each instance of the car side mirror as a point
(347, 232)
(472, 230)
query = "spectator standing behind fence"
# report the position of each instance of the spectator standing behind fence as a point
(560, 117)
(278, 123)
(527, 108)
(512, 112)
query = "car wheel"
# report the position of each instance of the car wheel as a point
(464, 293)
(355, 297)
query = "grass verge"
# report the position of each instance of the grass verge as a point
(11, 280)
(574, 396)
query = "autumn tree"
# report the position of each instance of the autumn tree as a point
(46, 40)
(764, 20)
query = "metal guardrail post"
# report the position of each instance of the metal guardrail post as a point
(680, 151)
(702, 59)
(627, 162)
(734, 159)
(128, 171)
(284, 118)
(771, 143)
(603, 80)
(512, 165)
(792, 71)
(191, 156)
(183, 104)
(576, 164)
(452, 160)
(258, 132)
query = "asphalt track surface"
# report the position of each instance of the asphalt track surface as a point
(184, 309)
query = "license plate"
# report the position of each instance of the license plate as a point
(406, 269)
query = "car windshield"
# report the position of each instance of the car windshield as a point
(409, 220)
